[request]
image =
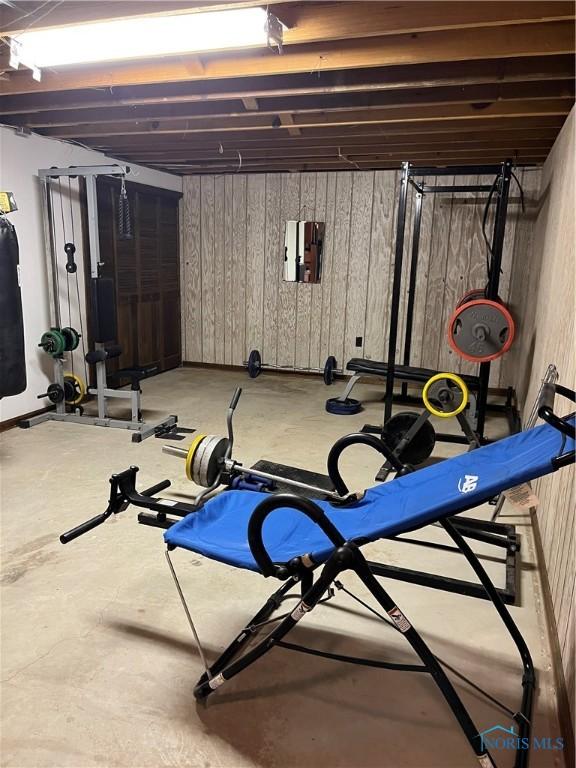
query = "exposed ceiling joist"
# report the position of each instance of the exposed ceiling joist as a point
(286, 107)
(548, 39)
(345, 163)
(358, 85)
(310, 22)
(336, 134)
(259, 122)
(540, 68)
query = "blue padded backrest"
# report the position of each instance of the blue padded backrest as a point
(219, 529)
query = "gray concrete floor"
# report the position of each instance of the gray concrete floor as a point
(97, 663)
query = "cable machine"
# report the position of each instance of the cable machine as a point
(67, 389)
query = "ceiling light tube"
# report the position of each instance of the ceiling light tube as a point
(143, 37)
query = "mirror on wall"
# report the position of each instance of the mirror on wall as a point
(303, 243)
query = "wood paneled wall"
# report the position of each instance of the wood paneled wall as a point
(234, 298)
(542, 295)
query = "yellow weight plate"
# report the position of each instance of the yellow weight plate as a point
(461, 386)
(81, 388)
(190, 456)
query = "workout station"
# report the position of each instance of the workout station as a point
(337, 239)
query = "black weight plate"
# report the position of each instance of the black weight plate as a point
(55, 393)
(254, 364)
(421, 445)
(71, 338)
(329, 367)
(346, 407)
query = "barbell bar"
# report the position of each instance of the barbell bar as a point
(255, 366)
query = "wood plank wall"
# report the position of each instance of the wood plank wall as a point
(542, 294)
(234, 298)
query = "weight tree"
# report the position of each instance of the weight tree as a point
(103, 312)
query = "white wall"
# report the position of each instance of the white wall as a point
(20, 159)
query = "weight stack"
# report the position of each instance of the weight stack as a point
(12, 347)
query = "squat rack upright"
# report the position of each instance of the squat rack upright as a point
(501, 188)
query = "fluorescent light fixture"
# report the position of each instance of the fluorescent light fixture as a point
(142, 37)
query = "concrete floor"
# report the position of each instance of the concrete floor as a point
(97, 662)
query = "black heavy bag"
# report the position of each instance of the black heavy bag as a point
(12, 353)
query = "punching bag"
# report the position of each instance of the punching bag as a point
(12, 354)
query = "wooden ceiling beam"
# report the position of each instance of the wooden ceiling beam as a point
(547, 39)
(311, 22)
(285, 108)
(502, 146)
(540, 68)
(335, 133)
(262, 123)
(340, 164)
(296, 149)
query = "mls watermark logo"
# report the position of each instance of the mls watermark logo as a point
(468, 483)
(500, 737)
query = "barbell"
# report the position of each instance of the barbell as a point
(255, 367)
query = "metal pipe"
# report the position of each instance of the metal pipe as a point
(412, 285)
(232, 466)
(173, 450)
(287, 481)
(396, 287)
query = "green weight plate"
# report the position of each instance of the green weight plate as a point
(53, 342)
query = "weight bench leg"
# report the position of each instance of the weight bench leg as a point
(349, 387)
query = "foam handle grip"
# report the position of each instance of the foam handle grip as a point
(235, 398)
(546, 398)
(161, 486)
(83, 528)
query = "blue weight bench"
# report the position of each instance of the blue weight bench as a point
(308, 544)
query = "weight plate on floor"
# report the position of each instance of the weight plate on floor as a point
(346, 407)
(421, 445)
(329, 367)
(481, 330)
(254, 364)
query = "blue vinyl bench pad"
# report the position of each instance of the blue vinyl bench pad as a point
(219, 530)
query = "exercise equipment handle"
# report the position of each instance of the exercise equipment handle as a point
(256, 522)
(546, 408)
(357, 438)
(84, 527)
(154, 489)
(229, 418)
(235, 398)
